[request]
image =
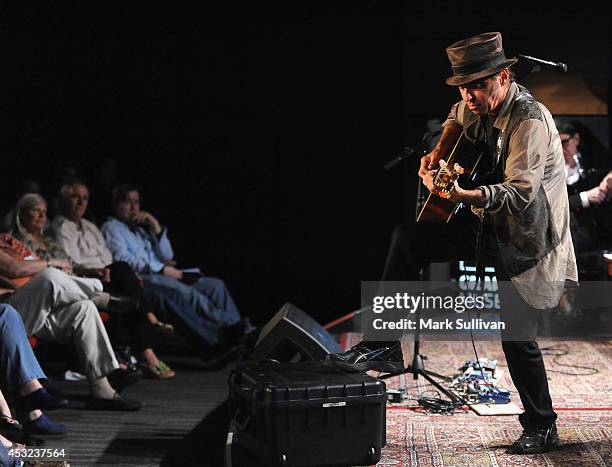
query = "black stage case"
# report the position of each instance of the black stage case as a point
(307, 414)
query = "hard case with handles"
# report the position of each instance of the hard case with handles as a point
(307, 414)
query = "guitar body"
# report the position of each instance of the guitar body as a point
(432, 206)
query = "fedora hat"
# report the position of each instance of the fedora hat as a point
(476, 57)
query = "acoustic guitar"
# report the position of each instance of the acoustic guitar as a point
(461, 164)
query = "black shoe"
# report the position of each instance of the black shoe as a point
(117, 403)
(121, 304)
(240, 333)
(232, 335)
(370, 356)
(536, 440)
(9, 423)
(10, 428)
(121, 379)
(42, 400)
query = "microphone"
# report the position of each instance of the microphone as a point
(408, 151)
(558, 66)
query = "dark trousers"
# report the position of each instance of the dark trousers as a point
(124, 327)
(416, 245)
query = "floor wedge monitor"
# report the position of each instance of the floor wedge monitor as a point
(292, 335)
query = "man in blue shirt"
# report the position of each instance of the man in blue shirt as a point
(205, 307)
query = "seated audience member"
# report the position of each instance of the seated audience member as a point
(588, 194)
(19, 378)
(58, 307)
(25, 187)
(117, 278)
(204, 307)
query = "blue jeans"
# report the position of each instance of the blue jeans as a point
(7, 461)
(203, 307)
(18, 365)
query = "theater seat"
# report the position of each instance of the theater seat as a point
(105, 316)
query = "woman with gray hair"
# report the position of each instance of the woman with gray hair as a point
(126, 328)
(29, 225)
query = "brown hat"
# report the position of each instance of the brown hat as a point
(476, 57)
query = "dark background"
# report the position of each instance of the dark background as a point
(257, 130)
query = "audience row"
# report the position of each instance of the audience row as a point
(56, 277)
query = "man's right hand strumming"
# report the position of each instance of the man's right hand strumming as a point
(427, 171)
(430, 162)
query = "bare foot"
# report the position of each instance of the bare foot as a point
(153, 367)
(162, 328)
(152, 318)
(149, 359)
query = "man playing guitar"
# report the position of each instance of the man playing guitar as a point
(521, 213)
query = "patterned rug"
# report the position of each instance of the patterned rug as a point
(580, 379)
(469, 440)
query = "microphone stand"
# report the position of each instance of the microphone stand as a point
(417, 367)
(406, 153)
(535, 65)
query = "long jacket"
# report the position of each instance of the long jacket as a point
(527, 214)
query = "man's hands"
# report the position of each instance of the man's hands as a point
(451, 132)
(101, 273)
(427, 171)
(146, 218)
(596, 195)
(457, 194)
(171, 271)
(602, 192)
(606, 185)
(61, 264)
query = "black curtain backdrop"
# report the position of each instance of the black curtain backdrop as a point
(256, 130)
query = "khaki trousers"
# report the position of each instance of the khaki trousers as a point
(57, 307)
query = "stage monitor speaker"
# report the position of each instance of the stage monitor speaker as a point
(291, 336)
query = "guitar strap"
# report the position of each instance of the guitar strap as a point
(490, 168)
(491, 135)
(492, 141)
